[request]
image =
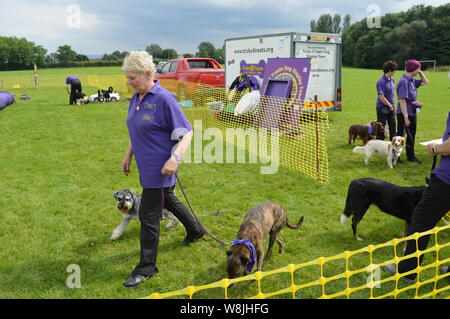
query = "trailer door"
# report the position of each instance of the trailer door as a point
(323, 74)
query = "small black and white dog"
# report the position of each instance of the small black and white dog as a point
(81, 98)
(392, 199)
(128, 203)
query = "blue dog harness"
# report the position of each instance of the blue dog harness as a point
(370, 130)
(252, 249)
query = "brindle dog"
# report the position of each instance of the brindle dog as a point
(263, 219)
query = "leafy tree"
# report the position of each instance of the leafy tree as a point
(115, 56)
(324, 23)
(313, 26)
(206, 50)
(19, 53)
(39, 53)
(219, 55)
(81, 58)
(336, 24)
(328, 23)
(65, 54)
(169, 54)
(346, 23)
(155, 50)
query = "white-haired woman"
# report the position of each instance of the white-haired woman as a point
(159, 134)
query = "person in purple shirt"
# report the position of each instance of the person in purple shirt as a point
(75, 86)
(160, 135)
(385, 99)
(408, 106)
(435, 203)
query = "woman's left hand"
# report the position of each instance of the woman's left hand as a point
(169, 168)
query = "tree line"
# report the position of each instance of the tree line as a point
(20, 54)
(421, 33)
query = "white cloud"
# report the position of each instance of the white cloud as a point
(106, 26)
(54, 23)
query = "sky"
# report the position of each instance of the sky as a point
(103, 26)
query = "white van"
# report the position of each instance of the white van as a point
(246, 54)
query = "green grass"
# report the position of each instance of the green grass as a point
(61, 164)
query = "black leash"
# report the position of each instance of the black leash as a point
(195, 216)
(408, 133)
(434, 162)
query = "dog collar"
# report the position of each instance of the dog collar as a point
(252, 249)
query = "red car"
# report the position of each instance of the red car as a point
(204, 71)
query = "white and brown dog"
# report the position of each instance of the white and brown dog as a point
(128, 203)
(390, 150)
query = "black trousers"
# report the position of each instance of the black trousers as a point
(410, 133)
(150, 216)
(434, 205)
(390, 120)
(75, 86)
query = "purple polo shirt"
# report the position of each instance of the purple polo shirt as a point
(151, 123)
(407, 89)
(443, 170)
(70, 78)
(386, 87)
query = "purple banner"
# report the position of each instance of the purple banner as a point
(280, 76)
(286, 68)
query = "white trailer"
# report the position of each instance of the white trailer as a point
(323, 49)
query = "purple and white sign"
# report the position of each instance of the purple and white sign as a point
(253, 69)
(286, 68)
(283, 77)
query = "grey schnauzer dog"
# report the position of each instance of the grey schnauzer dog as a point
(128, 203)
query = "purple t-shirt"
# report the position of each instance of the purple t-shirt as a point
(386, 87)
(70, 78)
(443, 170)
(407, 89)
(155, 124)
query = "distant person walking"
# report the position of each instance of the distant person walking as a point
(385, 105)
(408, 106)
(75, 86)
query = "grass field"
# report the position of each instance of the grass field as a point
(60, 165)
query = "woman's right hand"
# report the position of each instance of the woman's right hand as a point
(407, 122)
(126, 165)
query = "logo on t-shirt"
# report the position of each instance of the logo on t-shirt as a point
(149, 106)
(148, 118)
